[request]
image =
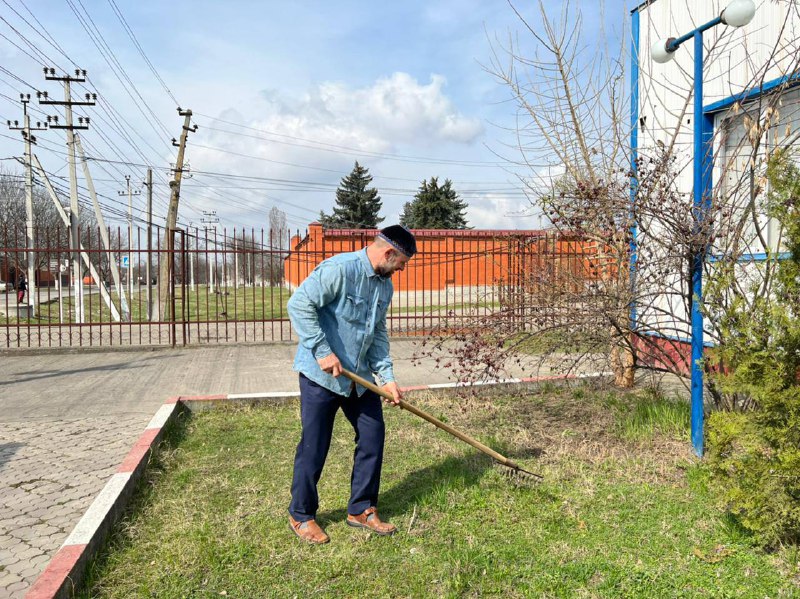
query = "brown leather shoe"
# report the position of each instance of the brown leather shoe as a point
(369, 519)
(308, 531)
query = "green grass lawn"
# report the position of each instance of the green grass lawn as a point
(623, 511)
(244, 303)
(468, 309)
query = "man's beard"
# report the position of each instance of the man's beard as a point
(385, 271)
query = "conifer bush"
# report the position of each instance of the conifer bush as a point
(754, 454)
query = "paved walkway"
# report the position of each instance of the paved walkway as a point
(50, 471)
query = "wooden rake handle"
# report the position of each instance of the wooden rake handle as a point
(436, 422)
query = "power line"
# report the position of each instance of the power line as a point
(10, 74)
(316, 186)
(140, 49)
(55, 45)
(107, 108)
(113, 121)
(272, 198)
(21, 49)
(30, 44)
(119, 130)
(326, 147)
(111, 60)
(121, 68)
(49, 38)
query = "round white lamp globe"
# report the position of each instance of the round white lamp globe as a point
(659, 51)
(738, 13)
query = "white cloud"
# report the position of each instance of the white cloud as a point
(499, 212)
(394, 110)
(401, 109)
(395, 114)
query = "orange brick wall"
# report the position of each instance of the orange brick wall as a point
(456, 258)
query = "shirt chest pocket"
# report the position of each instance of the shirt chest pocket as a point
(354, 308)
(382, 305)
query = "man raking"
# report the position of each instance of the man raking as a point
(339, 313)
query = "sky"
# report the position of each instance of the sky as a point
(286, 96)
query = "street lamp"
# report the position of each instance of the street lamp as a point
(737, 14)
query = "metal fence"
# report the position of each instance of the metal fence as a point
(218, 286)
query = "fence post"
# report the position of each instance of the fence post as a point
(171, 281)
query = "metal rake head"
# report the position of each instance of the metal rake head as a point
(518, 474)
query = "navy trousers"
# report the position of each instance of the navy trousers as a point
(318, 408)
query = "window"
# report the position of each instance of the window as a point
(741, 168)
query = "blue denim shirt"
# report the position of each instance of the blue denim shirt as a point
(341, 308)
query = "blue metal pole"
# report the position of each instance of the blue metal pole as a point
(634, 160)
(675, 43)
(698, 208)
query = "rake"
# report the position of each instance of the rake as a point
(499, 458)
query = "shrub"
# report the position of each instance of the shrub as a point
(755, 454)
(755, 459)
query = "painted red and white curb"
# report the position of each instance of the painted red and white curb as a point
(65, 571)
(67, 567)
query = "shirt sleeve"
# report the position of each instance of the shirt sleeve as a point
(319, 289)
(378, 358)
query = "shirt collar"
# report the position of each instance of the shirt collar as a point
(368, 269)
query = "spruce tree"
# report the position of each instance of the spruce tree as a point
(357, 205)
(435, 207)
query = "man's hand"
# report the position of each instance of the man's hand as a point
(330, 364)
(395, 392)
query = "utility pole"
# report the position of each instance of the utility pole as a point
(130, 193)
(149, 185)
(105, 237)
(210, 221)
(187, 173)
(83, 123)
(87, 262)
(236, 250)
(33, 298)
(172, 217)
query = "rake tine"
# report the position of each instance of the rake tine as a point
(519, 470)
(498, 457)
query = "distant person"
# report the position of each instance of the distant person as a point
(22, 287)
(339, 313)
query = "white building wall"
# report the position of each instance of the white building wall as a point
(736, 60)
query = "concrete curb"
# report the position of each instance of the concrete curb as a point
(66, 570)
